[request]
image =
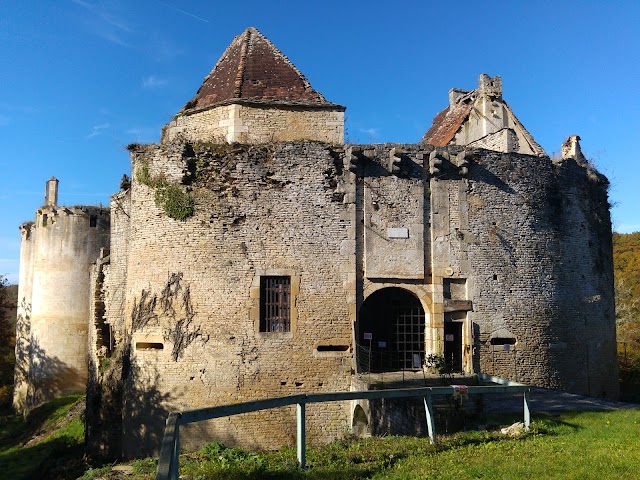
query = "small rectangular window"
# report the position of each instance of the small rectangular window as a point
(93, 220)
(44, 220)
(275, 304)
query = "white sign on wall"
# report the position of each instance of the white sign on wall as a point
(397, 232)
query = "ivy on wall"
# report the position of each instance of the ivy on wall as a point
(172, 198)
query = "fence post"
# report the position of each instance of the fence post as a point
(431, 427)
(168, 462)
(527, 412)
(175, 464)
(302, 453)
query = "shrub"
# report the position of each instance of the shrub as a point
(175, 202)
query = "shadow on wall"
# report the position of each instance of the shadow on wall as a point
(126, 411)
(42, 377)
(145, 412)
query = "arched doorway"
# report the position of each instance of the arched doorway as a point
(390, 334)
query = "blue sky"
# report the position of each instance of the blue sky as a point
(81, 79)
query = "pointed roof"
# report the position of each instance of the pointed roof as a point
(253, 69)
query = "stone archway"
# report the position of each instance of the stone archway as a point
(391, 332)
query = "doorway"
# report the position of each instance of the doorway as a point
(390, 333)
(453, 343)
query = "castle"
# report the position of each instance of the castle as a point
(253, 254)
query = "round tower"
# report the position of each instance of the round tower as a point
(58, 249)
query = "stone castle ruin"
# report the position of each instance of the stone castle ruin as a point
(253, 254)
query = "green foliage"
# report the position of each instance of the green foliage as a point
(436, 362)
(626, 264)
(176, 203)
(171, 198)
(8, 305)
(105, 363)
(142, 174)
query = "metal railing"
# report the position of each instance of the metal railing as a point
(169, 454)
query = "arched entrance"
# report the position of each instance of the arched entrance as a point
(390, 333)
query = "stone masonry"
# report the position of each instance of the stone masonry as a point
(253, 254)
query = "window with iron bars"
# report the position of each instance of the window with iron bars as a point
(275, 304)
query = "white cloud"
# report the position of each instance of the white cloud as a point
(105, 24)
(97, 130)
(372, 132)
(153, 82)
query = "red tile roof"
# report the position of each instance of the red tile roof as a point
(252, 68)
(447, 123)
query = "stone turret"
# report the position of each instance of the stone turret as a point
(57, 251)
(254, 94)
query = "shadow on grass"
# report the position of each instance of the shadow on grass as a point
(15, 429)
(59, 458)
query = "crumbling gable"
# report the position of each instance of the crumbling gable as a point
(480, 118)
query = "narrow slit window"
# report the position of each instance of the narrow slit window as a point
(93, 221)
(44, 220)
(275, 304)
(503, 341)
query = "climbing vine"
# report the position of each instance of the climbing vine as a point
(174, 304)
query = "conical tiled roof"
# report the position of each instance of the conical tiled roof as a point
(252, 68)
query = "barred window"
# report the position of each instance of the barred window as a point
(275, 301)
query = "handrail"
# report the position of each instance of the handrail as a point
(169, 453)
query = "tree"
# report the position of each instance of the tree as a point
(8, 301)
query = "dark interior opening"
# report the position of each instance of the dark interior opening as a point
(149, 346)
(390, 334)
(332, 348)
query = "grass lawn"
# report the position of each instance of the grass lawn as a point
(584, 445)
(48, 444)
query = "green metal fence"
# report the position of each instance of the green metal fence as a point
(169, 453)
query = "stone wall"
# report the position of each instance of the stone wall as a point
(248, 123)
(258, 210)
(513, 249)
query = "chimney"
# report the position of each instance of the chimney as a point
(489, 86)
(51, 192)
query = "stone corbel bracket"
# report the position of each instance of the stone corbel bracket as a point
(436, 162)
(352, 158)
(395, 161)
(462, 161)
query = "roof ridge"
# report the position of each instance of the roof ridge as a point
(245, 41)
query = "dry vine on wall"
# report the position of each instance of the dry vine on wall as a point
(175, 305)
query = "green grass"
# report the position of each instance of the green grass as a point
(58, 450)
(584, 445)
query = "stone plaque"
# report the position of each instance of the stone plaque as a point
(397, 232)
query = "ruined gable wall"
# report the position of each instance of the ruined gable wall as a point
(258, 124)
(258, 210)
